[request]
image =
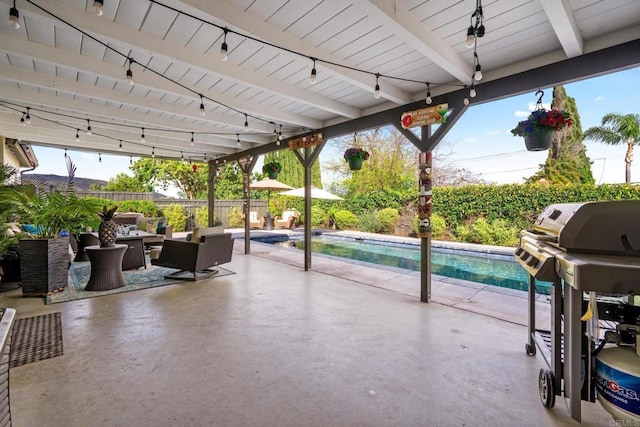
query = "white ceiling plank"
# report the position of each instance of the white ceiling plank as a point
(267, 31)
(565, 26)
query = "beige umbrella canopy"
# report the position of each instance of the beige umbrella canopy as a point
(269, 185)
(316, 193)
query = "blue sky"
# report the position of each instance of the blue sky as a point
(480, 141)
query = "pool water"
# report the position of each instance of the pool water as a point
(491, 269)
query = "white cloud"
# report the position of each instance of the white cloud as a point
(470, 140)
(531, 106)
(599, 98)
(494, 132)
(522, 114)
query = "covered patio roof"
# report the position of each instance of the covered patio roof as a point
(66, 66)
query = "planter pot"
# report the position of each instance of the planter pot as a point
(44, 265)
(273, 175)
(355, 163)
(539, 141)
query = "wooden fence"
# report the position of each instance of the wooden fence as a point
(221, 207)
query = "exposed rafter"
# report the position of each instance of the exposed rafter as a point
(564, 24)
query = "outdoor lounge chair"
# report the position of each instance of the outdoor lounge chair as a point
(255, 221)
(195, 257)
(287, 220)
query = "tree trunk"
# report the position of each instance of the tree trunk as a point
(628, 158)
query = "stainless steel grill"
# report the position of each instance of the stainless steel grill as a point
(592, 246)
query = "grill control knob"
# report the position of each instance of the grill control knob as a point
(532, 262)
(524, 255)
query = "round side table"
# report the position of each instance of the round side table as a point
(106, 267)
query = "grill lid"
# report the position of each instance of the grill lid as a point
(596, 227)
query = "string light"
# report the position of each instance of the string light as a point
(99, 157)
(465, 101)
(97, 7)
(202, 112)
(279, 135)
(192, 143)
(142, 138)
(120, 146)
(246, 122)
(65, 152)
(478, 74)
(428, 100)
(27, 117)
(153, 152)
(77, 135)
(181, 156)
(130, 160)
(472, 91)
(238, 140)
(205, 157)
(129, 72)
(224, 49)
(88, 127)
(476, 28)
(376, 92)
(14, 16)
(22, 121)
(314, 73)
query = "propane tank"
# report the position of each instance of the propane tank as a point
(618, 382)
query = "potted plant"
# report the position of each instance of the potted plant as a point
(538, 128)
(44, 254)
(272, 169)
(355, 157)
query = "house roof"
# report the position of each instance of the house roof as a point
(68, 65)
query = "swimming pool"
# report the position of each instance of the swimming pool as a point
(488, 268)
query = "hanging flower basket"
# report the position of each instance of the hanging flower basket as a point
(538, 129)
(272, 169)
(355, 157)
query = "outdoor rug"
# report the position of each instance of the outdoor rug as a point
(143, 278)
(35, 338)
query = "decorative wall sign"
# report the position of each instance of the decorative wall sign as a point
(425, 191)
(305, 141)
(425, 116)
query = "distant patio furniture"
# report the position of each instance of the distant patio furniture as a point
(106, 267)
(194, 257)
(255, 221)
(159, 229)
(128, 218)
(287, 219)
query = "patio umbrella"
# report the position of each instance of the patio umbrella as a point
(269, 185)
(316, 193)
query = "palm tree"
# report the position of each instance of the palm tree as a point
(617, 129)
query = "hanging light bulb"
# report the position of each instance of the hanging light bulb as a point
(376, 92)
(192, 143)
(153, 152)
(120, 146)
(472, 92)
(238, 140)
(130, 160)
(142, 138)
(181, 156)
(202, 112)
(314, 73)
(88, 127)
(246, 122)
(14, 16)
(22, 121)
(77, 135)
(476, 27)
(465, 101)
(478, 74)
(471, 39)
(224, 49)
(428, 100)
(27, 117)
(65, 152)
(130, 73)
(99, 157)
(97, 7)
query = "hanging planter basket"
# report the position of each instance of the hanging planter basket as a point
(355, 163)
(273, 175)
(538, 141)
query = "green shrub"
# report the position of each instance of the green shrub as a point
(388, 219)
(202, 217)
(145, 207)
(346, 220)
(235, 217)
(368, 222)
(176, 216)
(318, 217)
(496, 232)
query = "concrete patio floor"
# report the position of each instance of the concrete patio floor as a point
(274, 345)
